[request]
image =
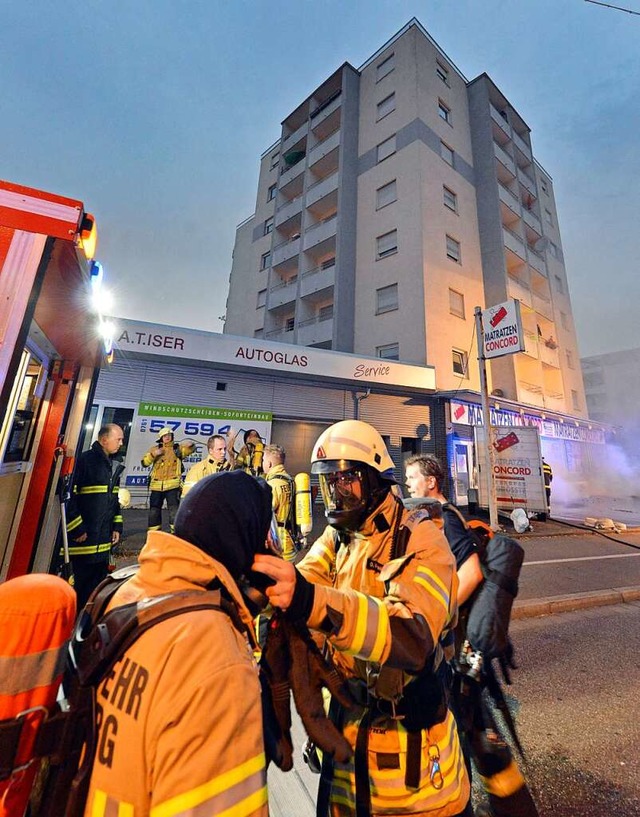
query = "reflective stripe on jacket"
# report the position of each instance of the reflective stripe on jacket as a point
(94, 508)
(166, 469)
(181, 716)
(281, 485)
(201, 470)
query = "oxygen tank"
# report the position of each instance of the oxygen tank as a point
(304, 519)
(256, 458)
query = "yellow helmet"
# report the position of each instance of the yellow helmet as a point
(124, 497)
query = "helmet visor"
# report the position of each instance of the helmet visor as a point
(343, 490)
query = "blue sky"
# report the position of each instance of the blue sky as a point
(155, 112)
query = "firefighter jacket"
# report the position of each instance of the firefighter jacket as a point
(249, 459)
(547, 473)
(166, 468)
(93, 507)
(201, 470)
(180, 714)
(382, 619)
(281, 485)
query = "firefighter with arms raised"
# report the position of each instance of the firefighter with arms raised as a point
(379, 586)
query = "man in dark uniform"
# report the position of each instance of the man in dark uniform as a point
(547, 473)
(94, 516)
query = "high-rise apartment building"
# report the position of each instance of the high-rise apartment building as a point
(398, 198)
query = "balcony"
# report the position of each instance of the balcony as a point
(288, 210)
(530, 393)
(323, 149)
(499, 119)
(326, 108)
(322, 231)
(317, 280)
(555, 402)
(526, 181)
(549, 355)
(282, 334)
(522, 146)
(314, 330)
(532, 220)
(282, 293)
(507, 197)
(321, 188)
(285, 251)
(514, 243)
(504, 158)
(289, 175)
(542, 304)
(531, 344)
(536, 261)
(289, 141)
(518, 289)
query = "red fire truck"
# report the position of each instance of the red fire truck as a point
(50, 352)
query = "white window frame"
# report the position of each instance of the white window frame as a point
(268, 226)
(385, 106)
(289, 324)
(453, 308)
(453, 249)
(461, 357)
(387, 145)
(385, 67)
(388, 347)
(444, 111)
(447, 154)
(387, 302)
(452, 203)
(388, 189)
(385, 248)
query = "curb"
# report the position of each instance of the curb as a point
(574, 601)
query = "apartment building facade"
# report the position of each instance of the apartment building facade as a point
(399, 197)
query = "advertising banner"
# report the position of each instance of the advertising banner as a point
(502, 330)
(189, 424)
(517, 468)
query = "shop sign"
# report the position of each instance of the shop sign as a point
(502, 330)
(517, 468)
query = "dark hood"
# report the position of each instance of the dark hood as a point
(227, 515)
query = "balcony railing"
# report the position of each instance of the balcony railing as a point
(536, 261)
(523, 147)
(504, 158)
(518, 289)
(532, 220)
(321, 231)
(513, 242)
(316, 280)
(282, 293)
(321, 188)
(526, 180)
(508, 198)
(324, 147)
(497, 117)
(315, 330)
(284, 251)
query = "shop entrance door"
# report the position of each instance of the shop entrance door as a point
(463, 470)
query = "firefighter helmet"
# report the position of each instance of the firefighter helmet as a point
(355, 472)
(163, 431)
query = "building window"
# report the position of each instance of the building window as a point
(385, 107)
(547, 216)
(386, 194)
(265, 260)
(456, 303)
(386, 299)
(275, 159)
(289, 324)
(389, 352)
(559, 284)
(450, 199)
(564, 320)
(544, 187)
(453, 249)
(574, 399)
(386, 148)
(387, 244)
(385, 67)
(325, 313)
(330, 262)
(446, 153)
(258, 333)
(268, 226)
(459, 360)
(442, 71)
(271, 194)
(262, 298)
(444, 111)
(570, 360)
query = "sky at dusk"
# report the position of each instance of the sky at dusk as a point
(155, 112)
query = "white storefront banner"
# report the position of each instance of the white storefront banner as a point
(189, 424)
(502, 329)
(191, 344)
(517, 468)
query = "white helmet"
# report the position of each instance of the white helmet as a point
(163, 432)
(355, 472)
(124, 497)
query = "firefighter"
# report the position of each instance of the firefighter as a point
(215, 462)
(249, 458)
(176, 737)
(165, 459)
(502, 780)
(380, 586)
(281, 484)
(94, 516)
(547, 473)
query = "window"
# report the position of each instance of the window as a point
(453, 249)
(268, 226)
(456, 303)
(387, 244)
(386, 148)
(459, 360)
(442, 72)
(262, 298)
(386, 299)
(450, 199)
(544, 187)
(559, 284)
(275, 159)
(265, 260)
(386, 194)
(446, 153)
(444, 111)
(547, 216)
(330, 262)
(570, 360)
(385, 107)
(389, 352)
(574, 399)
(325, 313)
(289, 324)
(385, 67)
(271, 194)
(564, 320)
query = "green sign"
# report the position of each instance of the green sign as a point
(173, 410)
